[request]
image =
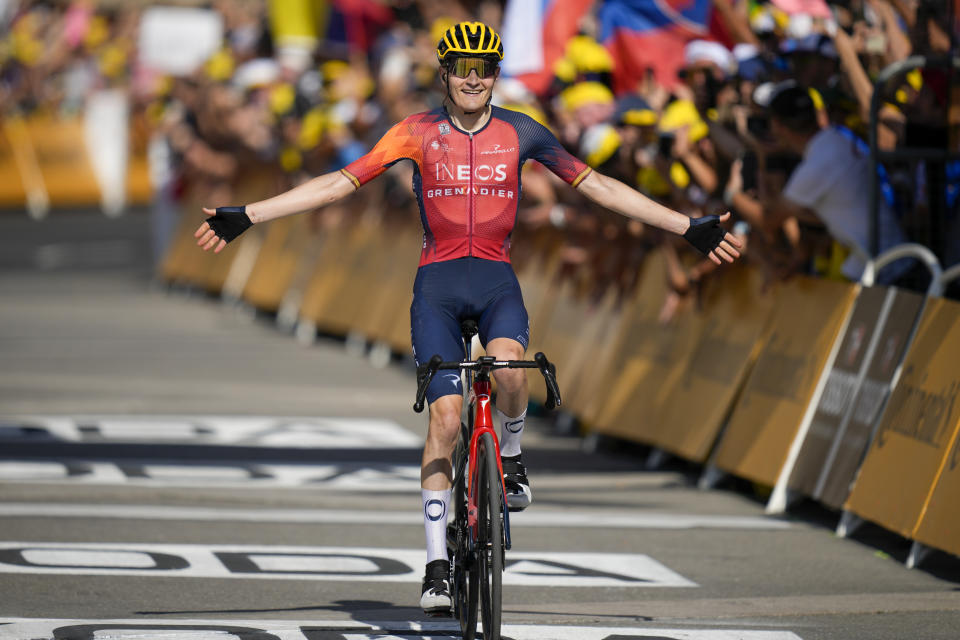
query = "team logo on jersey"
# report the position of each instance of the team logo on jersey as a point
(497, 149)
(462, 172)
(444, 128)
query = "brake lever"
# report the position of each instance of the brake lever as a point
(549, 372)
(425, 375)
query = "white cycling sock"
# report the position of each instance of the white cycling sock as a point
(435, 505)
(511, 430)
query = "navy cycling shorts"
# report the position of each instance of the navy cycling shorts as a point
(445, 294)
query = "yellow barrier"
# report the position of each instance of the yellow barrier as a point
(387, 317)
(537, 274)
(940, 524)
(808, 317)
(917, 437)
(654, 355)
(185, 263)
(327, 299)
(736, 318)
(277, 263)
(48, 155)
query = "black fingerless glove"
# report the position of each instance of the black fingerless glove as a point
(704, 233)
(229, 222)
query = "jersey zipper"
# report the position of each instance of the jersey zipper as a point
(470, 199)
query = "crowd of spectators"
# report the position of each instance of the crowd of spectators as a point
(772, 125)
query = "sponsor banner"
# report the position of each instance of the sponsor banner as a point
(916, 438)
(805, 325)
(842, 384)
(539, 518)
(356, 564)
(856, 392)
(736, 318)
(18, 628)
(246, 431)
(241, 475)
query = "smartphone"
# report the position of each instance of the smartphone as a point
(749, 170)
(665, 144)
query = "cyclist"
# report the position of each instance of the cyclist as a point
(467, 158)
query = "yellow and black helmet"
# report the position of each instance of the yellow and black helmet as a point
(469, 39)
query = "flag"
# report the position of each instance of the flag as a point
(650, 35)
(534, 34)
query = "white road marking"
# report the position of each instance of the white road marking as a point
(351, 477)
(262, 431)
(179, 629)
(533, 518)
(322, 563)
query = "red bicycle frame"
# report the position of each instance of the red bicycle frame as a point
(483, 423)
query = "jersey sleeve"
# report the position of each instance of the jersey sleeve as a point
(541, 145)
(401, 142)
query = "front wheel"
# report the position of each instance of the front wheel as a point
(465, 574)
(490, 537)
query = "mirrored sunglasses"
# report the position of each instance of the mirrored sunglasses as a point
(461, 67)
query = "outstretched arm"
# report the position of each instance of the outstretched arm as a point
(314, 193)
(616, 196)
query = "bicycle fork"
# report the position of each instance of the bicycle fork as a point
(484, 424)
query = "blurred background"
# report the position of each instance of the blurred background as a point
(830, 129)
(158, 108)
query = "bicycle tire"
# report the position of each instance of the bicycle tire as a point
(490, 538)
(465, 581)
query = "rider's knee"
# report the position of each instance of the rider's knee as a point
(510, 380)
(444, 419)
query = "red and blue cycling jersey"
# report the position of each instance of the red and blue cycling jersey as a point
(467, 185)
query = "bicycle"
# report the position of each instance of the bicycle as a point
(479, 535)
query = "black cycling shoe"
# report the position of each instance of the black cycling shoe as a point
(515, 482)
(435, 597)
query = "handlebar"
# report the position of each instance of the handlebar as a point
(486, 364)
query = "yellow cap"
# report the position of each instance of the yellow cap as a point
(599, 143)
(311, 129)
(679, 175)
(639, 117)
(651, 182)
(683, 113)
(588, 55)
(220, 65)
(282, 98)
(290, 159)
(565, 70)
(584, 93)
